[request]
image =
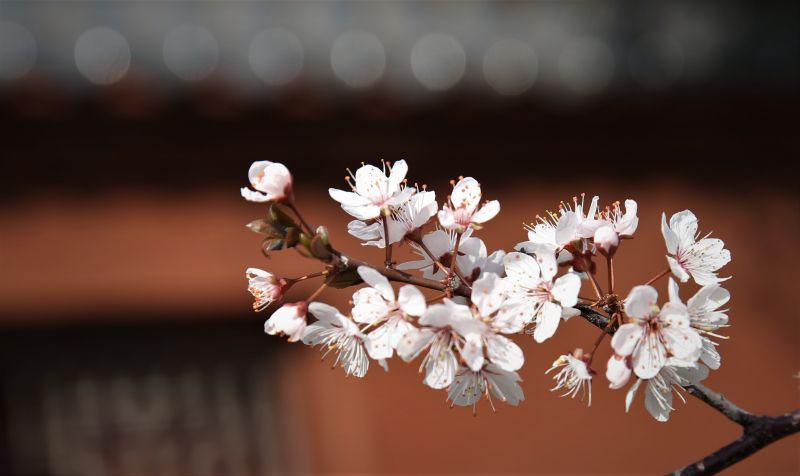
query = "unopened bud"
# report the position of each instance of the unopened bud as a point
(606, 240)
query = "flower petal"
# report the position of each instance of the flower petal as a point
(377, 281)
(548, 321)
(503, 352)
(411, 300)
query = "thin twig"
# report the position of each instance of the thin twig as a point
(386, 244)
(303, 221)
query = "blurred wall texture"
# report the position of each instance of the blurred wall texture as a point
(127, 343)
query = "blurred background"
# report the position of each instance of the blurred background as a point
(127, 340)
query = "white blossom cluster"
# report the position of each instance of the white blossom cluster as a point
(463, 336)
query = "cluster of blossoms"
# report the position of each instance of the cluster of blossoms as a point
(462, 336)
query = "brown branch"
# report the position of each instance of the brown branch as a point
(758, 431)
(761, 432)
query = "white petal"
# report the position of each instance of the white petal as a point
(472, 352)
(414, 341)
(441, 370)
(324, 312)
(674, 291)
(677, 269)
(641, 301)
(546, 258)
(365, 232)
(377, 281)
(253, 196)
(447, 218)
(522, 269)
(503, 352)
(546, 326)
(488, 211)
(631, 394)
(650, 357)
(398, 174)
(660, 409)
(670, 238)
(256, 171)
(411, 300)
(617, 371)
(566, 289)
(487, 294)
(567, 228)
(371, 182)
(467, 194)
(378, 343)
(504, 385)
(348, 198)
(684, 224)
(626, 339)
(369, 306)
(683, 343)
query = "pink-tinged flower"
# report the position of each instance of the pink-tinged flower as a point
(336, 332)
(464, 209)
(265, 287)
(543, 302)
(654, 334)
(705, 317)
(272, 182)
(402, 222)
(389, 318)
(574, 377)
(469, 386)
(675, 375)
(289, 320)
(687, 256)
(374, 193)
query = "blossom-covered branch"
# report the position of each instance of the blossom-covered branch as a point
(463, 335)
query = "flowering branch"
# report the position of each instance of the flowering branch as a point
(461, 333)
(758, 431)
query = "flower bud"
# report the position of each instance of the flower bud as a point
(606, 240)
(272, 182)
(618, 372)
(265, 287)
(289, 320)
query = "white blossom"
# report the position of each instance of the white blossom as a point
(574, 377)
(440, 336)
(544, 302)
(652, 333)
(464, 210)
(675, 374)
(401, 222)
(289, 320)
(470, 385)
(374, 193)
(272, 182)
(387, 317)
(336, 332)
(705, 316)
(265, 287)
(688, 257)
(493, 314)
